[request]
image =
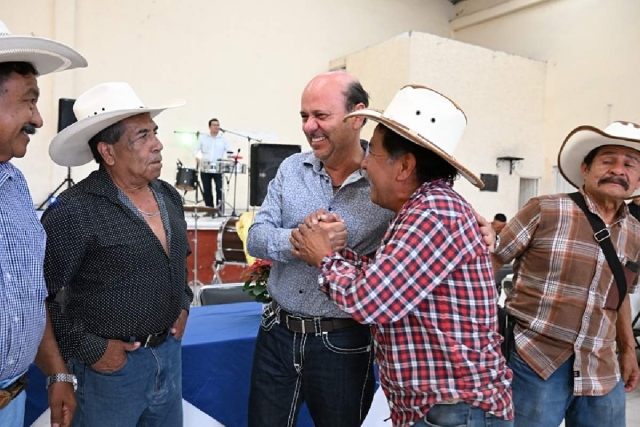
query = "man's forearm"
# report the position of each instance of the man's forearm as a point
(48, 358)
(624, 331)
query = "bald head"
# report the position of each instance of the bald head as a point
(340, 82)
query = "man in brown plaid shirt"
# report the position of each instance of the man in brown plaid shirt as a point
(564, 360)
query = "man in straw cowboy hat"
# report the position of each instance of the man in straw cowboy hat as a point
(24, 326)
(332, 364)
(118, 246)
(569, 298)
(428, 291)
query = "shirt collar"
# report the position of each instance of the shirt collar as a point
(7, 171)
(622, 212)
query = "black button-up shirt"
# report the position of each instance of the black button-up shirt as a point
(118, 279)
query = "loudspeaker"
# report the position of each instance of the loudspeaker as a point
(65, 113)
(265, 160)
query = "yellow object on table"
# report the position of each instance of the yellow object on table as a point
(242, 227)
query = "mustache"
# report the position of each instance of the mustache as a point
(614, 180)
(29, 128)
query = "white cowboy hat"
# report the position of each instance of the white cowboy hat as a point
(427, 118)
(583, 139)
(97, 109)
(47, 56)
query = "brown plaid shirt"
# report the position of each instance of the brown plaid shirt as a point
(562, 280)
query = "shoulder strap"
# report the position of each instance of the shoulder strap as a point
(603, 237)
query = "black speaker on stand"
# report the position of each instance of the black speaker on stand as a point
(66, 117)
(265, 161)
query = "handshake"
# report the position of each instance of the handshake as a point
(321, 234)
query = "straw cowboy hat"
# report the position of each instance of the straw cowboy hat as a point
(97, 109)
(427, 118)
(47, 56)
(583, 139)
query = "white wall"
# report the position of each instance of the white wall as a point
(244, 62)
(591, 48)
(502, 96)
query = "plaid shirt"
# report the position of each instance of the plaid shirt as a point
(562, 280)
(431, 296)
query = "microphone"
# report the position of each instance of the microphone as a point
(223, 130)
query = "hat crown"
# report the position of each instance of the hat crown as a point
(4, 30)
(105, 98)
(627, 130)
(430, 114)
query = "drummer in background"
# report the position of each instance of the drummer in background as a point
(211, 148)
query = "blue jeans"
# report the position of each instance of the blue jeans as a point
(458, 415)
(545, 403)
(12, 415)
(332, 373)
(145, 392)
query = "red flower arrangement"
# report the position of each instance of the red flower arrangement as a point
(256, 276)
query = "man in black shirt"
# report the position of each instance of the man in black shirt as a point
(117, 243)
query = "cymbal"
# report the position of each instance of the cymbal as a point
(203, 209)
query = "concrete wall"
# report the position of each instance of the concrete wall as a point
(591, 48)
(244, 62)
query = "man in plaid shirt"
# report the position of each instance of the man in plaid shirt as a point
(565, 299)
(429, 290)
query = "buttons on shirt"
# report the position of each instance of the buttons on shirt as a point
(7, 276)
(16, 319)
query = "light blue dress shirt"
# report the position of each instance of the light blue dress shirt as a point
(22, 285)
(213, 147)
(300, 187)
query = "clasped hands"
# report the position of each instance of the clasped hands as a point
(321, 234)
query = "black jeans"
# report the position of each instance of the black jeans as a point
(332, 373)
(206, 187)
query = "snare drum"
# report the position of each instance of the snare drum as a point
(186, 179)
(230, 248)
(216, 167)
(241, 168)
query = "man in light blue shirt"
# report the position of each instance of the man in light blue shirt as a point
(213, 148)
(25, 329)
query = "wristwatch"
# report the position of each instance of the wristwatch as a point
(65, 378)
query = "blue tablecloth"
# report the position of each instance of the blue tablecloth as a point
(217, 351)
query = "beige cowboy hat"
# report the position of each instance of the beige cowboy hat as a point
(47, 56)
(583, 139)
(427, 118)
(97, 109)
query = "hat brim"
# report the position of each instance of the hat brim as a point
(71, 148)
(377, 116)
(580, 142)
(47, 56)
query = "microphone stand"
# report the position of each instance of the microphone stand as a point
(234, 170)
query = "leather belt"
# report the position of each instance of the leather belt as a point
(150, 341)
(312, 325)
(8, 393)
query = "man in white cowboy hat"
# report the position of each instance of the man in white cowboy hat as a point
(566, 302)
(24, 327)
(428, 291)
(117, 243)
(332, 364)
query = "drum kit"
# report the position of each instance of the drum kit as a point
(230, 249)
